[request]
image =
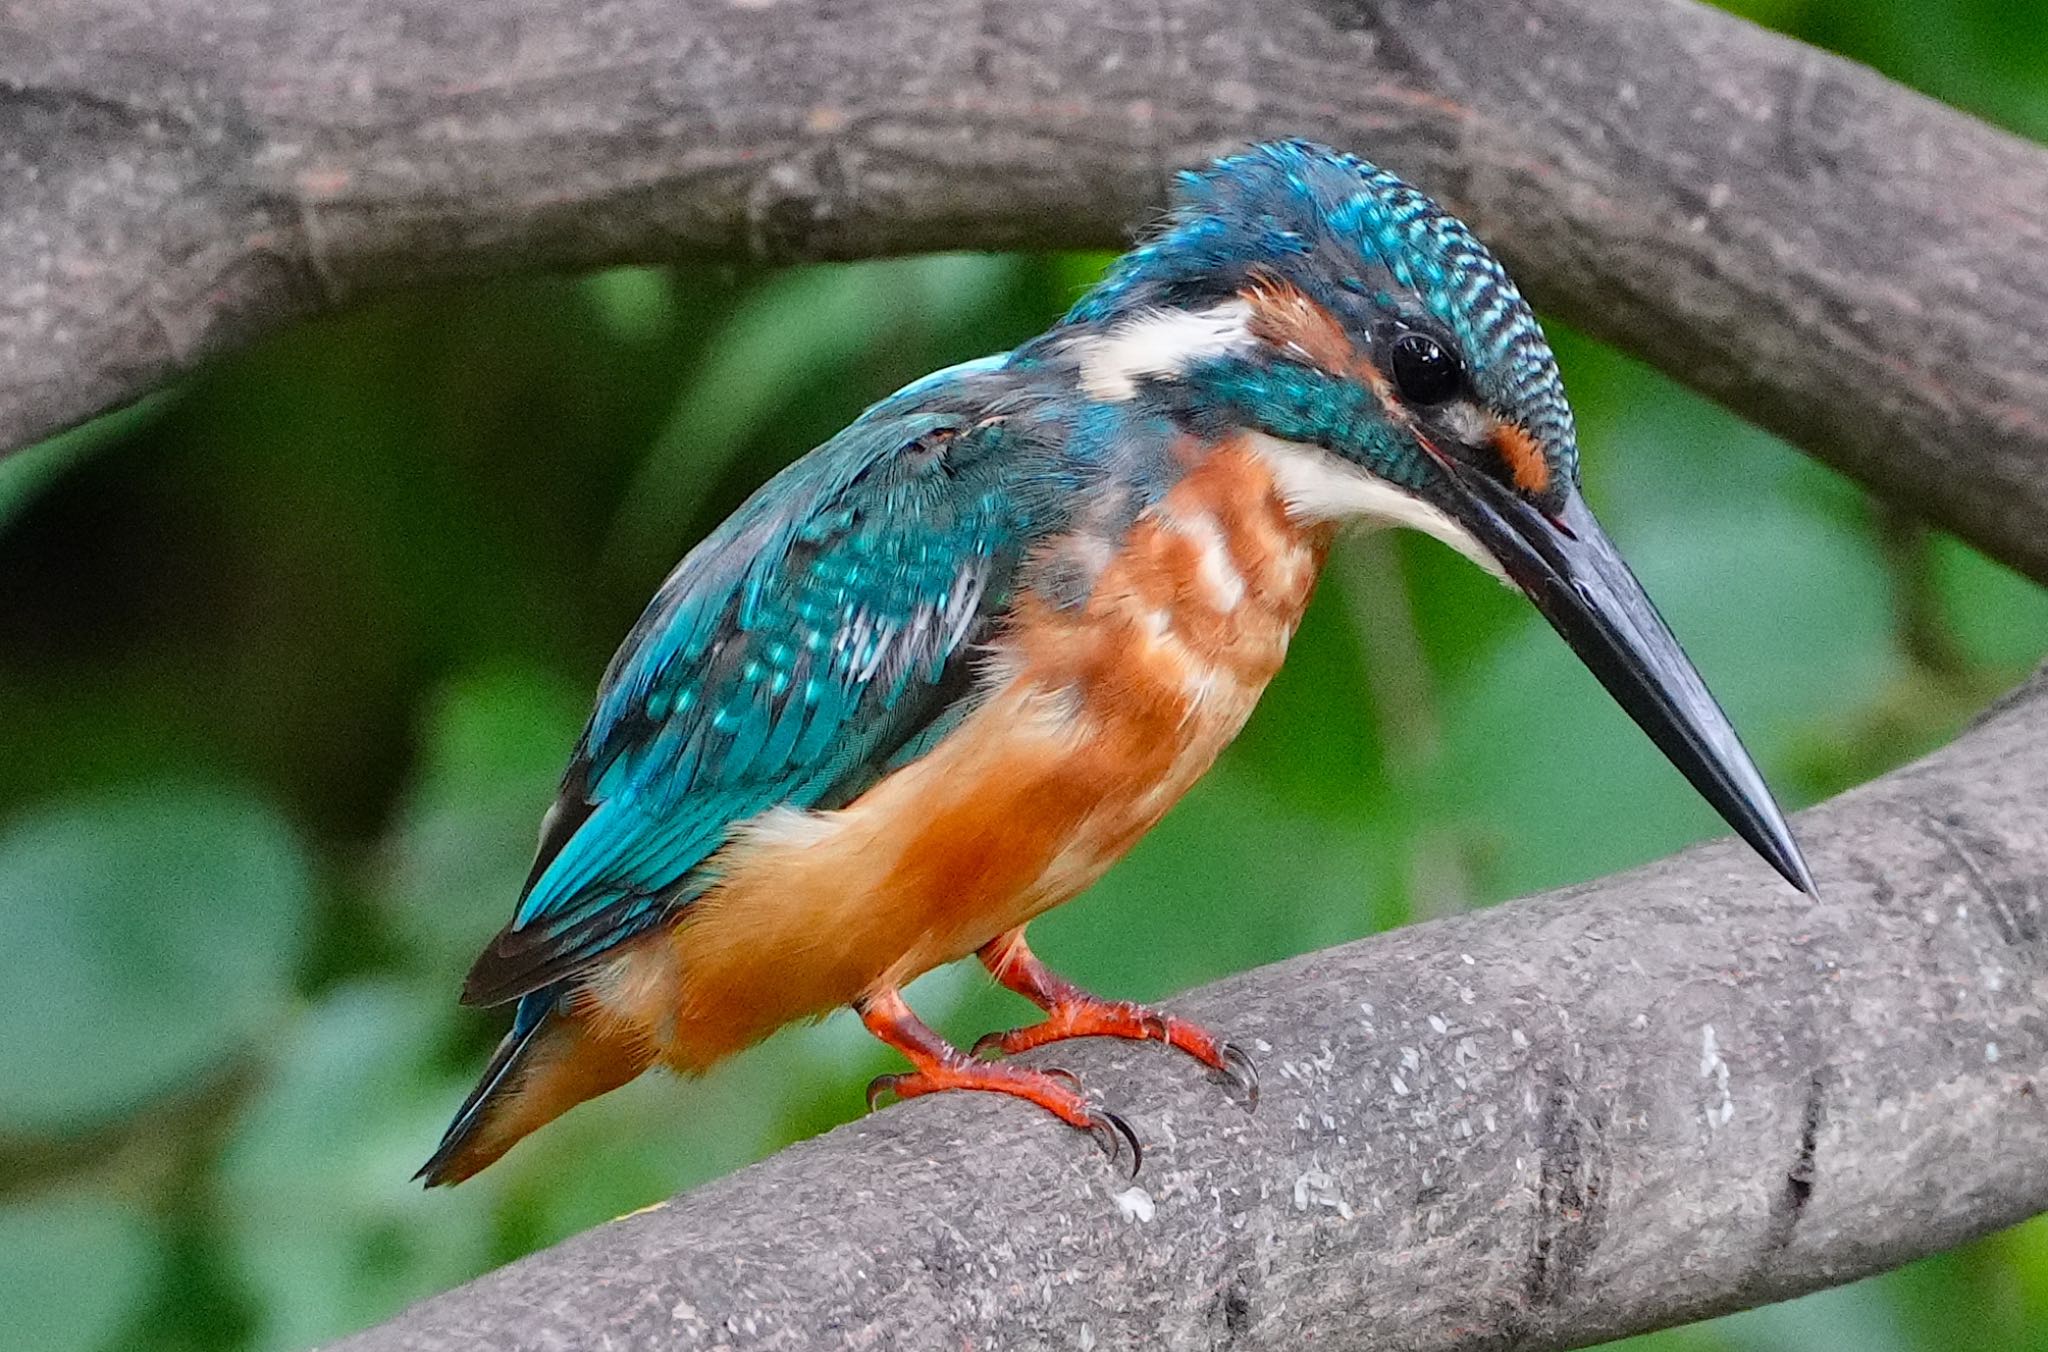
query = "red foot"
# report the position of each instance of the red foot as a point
(1073, 1012)
(939, 1066)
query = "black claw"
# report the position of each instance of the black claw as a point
(1065, 1077)
(1112, 1133)
(880, 1085)
(1241, 1074)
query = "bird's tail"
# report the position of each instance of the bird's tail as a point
(552, 1060)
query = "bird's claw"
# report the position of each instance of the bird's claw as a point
(1240, 1073)
(992, 1047)
(1065, 1077)
(879, 1086)
(1227, 1063)
(887, 1084)
(1112, 1133)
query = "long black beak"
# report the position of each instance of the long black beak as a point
(1570, 569)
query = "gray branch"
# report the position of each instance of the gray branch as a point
(1644, 1100)
(1611, 1108)
(1857, 267)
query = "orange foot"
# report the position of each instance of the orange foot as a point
(940, 1066)
(1073, 1012)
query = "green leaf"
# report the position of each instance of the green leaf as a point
(1859, 1318)
(2000, 618)
(637, 304)
(74, 1269)
(1233, 877)
(496, 742)
(792, 336)
(325, 1225)
(152, 933)
(28, 471)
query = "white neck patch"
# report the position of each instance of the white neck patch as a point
(1159, 343)
(1318, 485)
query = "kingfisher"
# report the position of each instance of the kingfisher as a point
(938, 675)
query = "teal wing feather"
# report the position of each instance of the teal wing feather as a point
(818, 636)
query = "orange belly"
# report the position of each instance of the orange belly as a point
(1093, 722)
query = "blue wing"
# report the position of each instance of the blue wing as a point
(819, 636)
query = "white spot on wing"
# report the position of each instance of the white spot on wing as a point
(1158, 343)
(1320, 486)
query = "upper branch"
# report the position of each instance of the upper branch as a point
(1619, 1106)
(1852, 265)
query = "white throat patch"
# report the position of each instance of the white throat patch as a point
(1159, 343)
(1318, 485)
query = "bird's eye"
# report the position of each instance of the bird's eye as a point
(1425, 372)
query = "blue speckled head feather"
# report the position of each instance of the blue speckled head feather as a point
(1350, 235)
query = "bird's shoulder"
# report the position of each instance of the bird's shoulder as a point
(832, 580)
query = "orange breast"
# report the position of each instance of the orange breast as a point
(1094, 721)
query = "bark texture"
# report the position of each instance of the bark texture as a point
(1654, 1098)
(1853, 265)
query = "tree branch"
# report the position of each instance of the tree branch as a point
(1612, 1108)
(1857, 267)
(1618, 1106)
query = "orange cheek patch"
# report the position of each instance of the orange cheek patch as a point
(1524, 458)
(1288, 319)
(1284, 317)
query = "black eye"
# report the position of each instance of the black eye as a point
(1424, 371)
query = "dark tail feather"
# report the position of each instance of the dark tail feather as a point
(498, 1077)
(553, 1059)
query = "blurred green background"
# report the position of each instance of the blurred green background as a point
(294, 652)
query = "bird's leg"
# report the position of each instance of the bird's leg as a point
(938, 1065)
(1073, 1012)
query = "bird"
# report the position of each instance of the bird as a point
(939, 674)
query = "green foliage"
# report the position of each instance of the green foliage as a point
(156, 933)
(23, 475)
(74, 1269)
(295, 654)
(321, 1231)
